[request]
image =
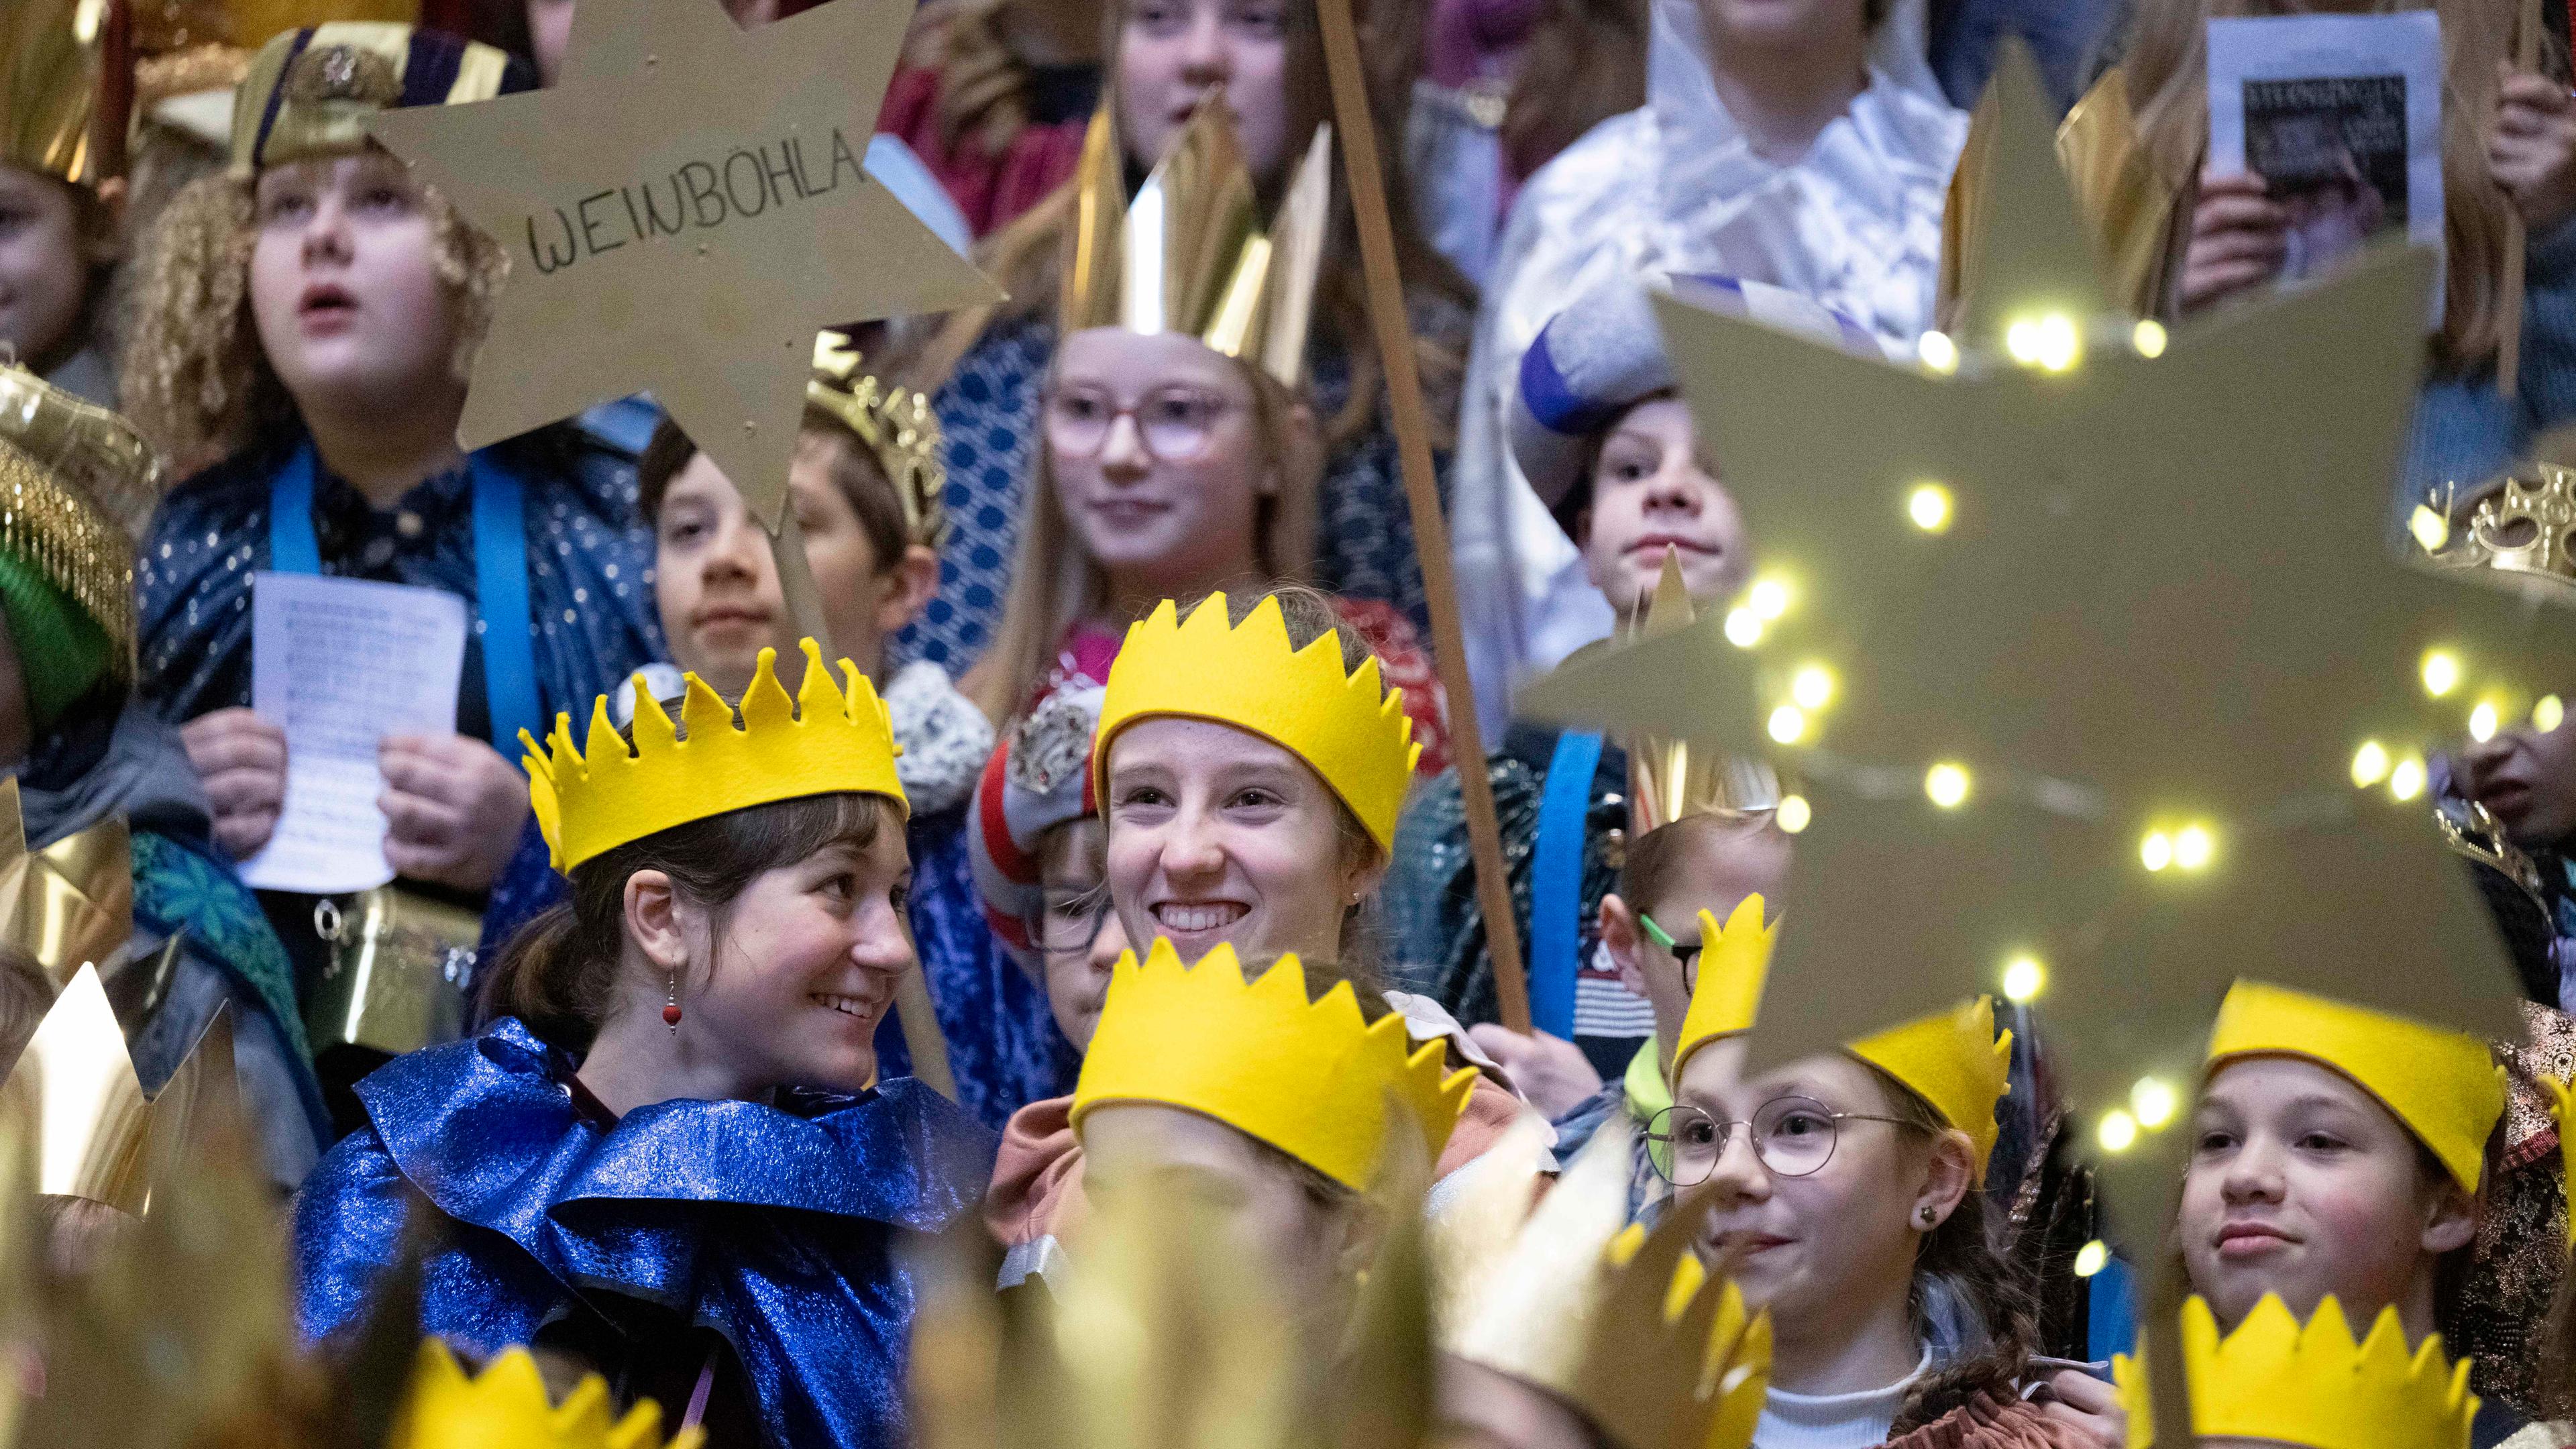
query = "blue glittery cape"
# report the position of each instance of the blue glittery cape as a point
(774, 1227)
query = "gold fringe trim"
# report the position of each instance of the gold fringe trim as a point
(77, 548)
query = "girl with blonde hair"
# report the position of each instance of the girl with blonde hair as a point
(302, 332)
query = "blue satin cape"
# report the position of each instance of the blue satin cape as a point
(774, 1227)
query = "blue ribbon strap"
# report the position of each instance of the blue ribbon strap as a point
(1556, 881)
(500, 580)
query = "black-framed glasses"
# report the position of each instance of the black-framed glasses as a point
(1791, 1136)
(1688, 955)
(1067, 922)
(1175, 424)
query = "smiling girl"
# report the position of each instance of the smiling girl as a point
(1846, 1193)
(2342, 1152)
(1248, 763)
(670, 1155)
(304, 322)
(992, 373)
(1178, 455)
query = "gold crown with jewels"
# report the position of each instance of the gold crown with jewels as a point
(2525, 525)
(900, 430)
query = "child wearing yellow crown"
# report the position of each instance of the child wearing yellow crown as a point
(1239, 1082)
(1847, 1187)
(1248, 764)
(2338, 1153)
(669, 1154)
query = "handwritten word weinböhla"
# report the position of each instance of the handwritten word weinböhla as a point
(698, 195)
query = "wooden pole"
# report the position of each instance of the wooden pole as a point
(913, 1011)
(1422, 496)
(2526, 57)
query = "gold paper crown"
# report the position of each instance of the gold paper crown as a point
(1187, 255)
(828, 740)
(506, 1407)
(2525, 526)
(70, 904)
(49, 83)
(1310, 1078)
(1347, 726)
(1670, 778)
(2444, 1086)
(97, 1137)
(1953, 1060)
(1734, 965)
(901, 432)
(94, 454)
(2275, 1381)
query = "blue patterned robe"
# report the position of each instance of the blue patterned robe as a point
(775, 1228)
(988, 416)
(590, 571)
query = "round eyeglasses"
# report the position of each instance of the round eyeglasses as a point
(1175, 424)
(1067, 922)
(1792, 1137)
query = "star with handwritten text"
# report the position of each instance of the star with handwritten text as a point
(682, 214)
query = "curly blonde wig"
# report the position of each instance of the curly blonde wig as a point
(195, 377)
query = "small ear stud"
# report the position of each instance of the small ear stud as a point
(1929, 1213)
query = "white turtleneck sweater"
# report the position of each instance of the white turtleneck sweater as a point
(1834, 1421)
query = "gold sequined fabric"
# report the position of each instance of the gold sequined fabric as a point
(76, 547)
(2497, 1314)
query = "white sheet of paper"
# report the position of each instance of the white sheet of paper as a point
(2343, 116)
(340, 664)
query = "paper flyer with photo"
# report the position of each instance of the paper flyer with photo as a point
(2341, 115)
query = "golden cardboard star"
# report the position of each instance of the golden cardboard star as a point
(682, 213)
(2090, 650)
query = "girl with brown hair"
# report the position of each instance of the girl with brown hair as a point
(988, 370)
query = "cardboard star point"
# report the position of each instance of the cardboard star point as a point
(682, 214)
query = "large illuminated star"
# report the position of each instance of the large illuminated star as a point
(2089, 599)
(682, 214)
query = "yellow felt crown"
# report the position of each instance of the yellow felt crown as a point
(1309, 1078)
(506, 1407)
(1953, 1060)
(2444, 1085)
(2313, 1386)
(2562, 1105)
(1734, 963)
(1346, 725)
(828, 740)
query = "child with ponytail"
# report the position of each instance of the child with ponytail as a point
(668, 1155)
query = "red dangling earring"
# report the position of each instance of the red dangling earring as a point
(671, 1008)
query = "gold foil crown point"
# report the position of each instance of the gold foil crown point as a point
(1188, 255)
(2526, 526)
(898, 427)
